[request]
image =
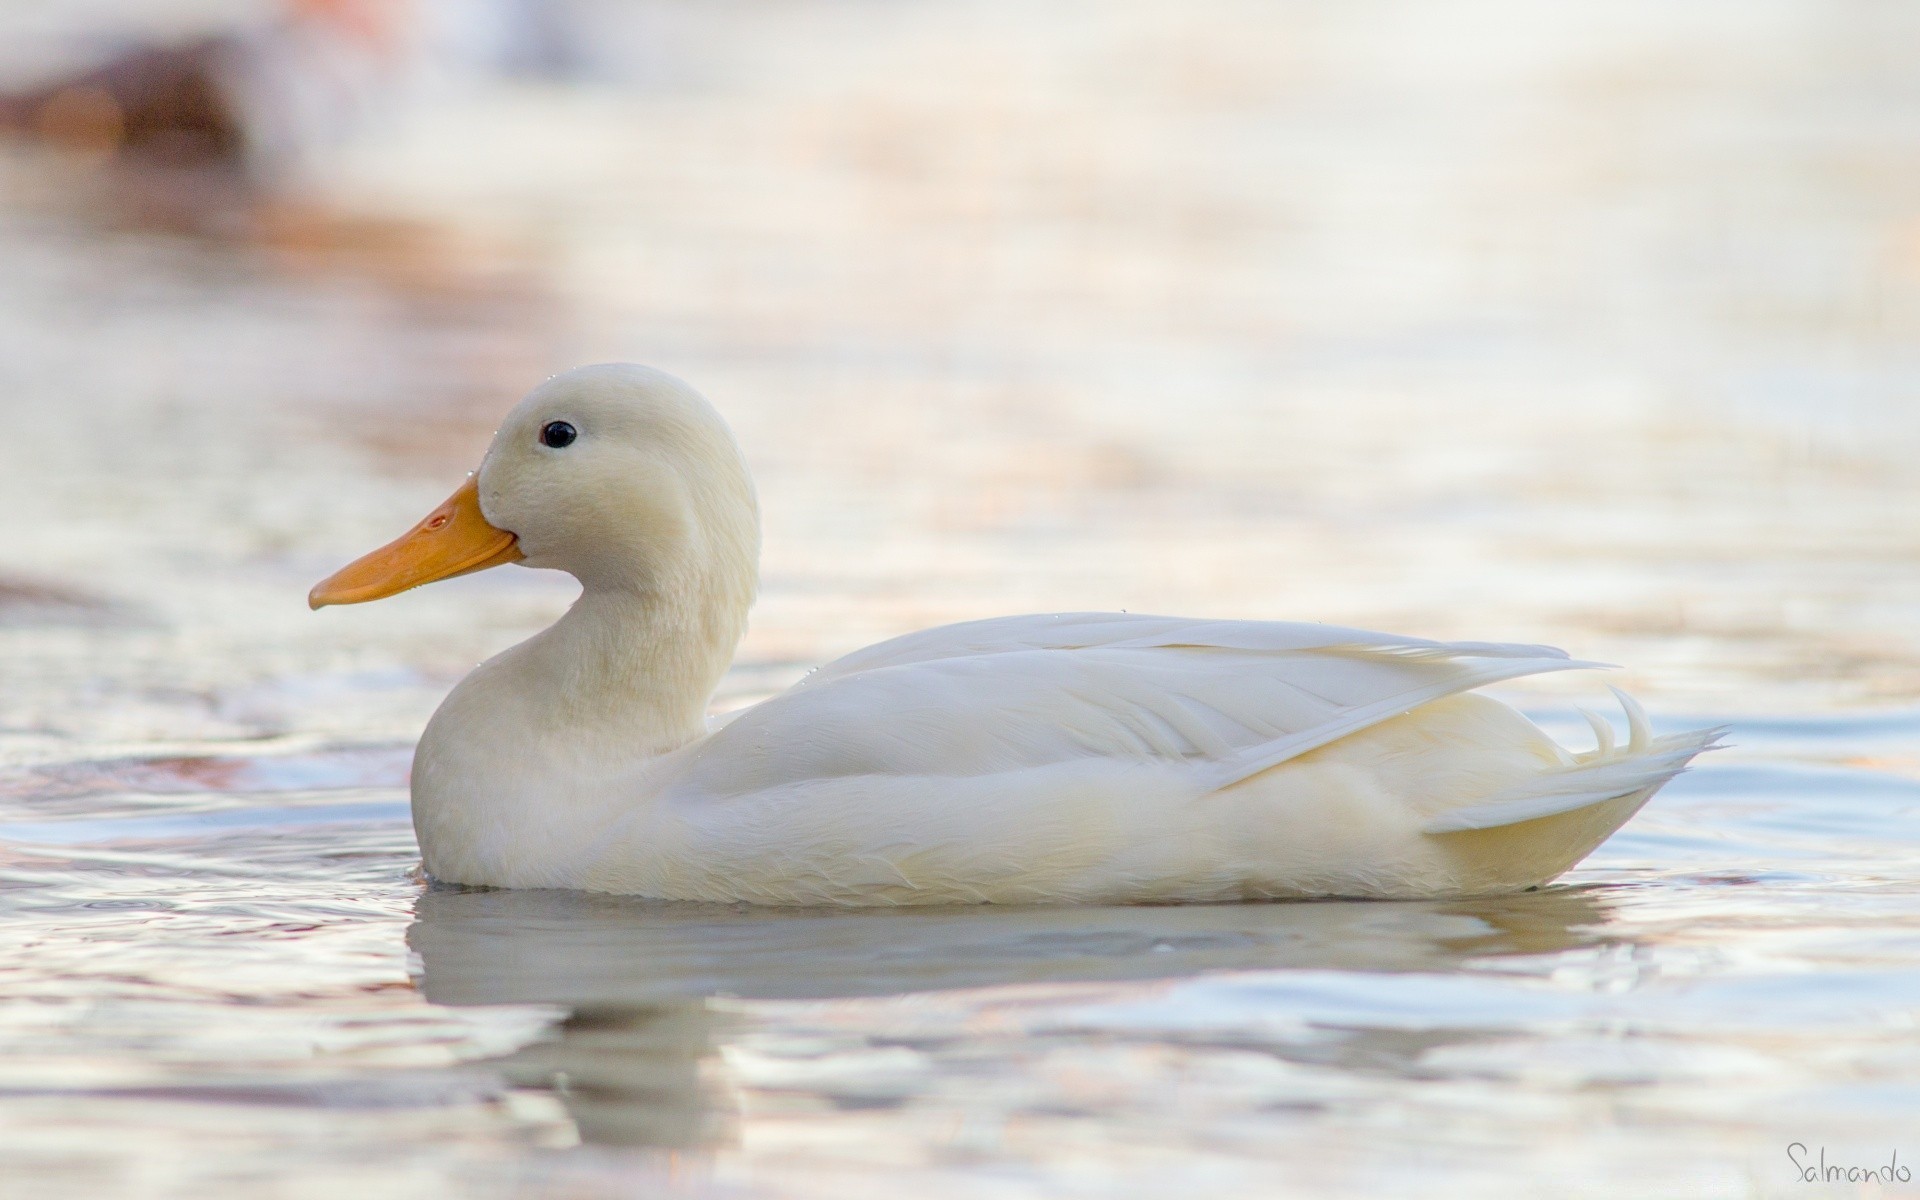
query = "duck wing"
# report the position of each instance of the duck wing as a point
(1222, 700)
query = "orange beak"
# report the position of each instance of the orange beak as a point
(455, 539)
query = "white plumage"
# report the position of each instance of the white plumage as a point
(1076, 757)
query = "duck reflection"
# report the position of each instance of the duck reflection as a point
(636, 1062)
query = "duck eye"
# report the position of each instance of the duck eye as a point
(558, 434)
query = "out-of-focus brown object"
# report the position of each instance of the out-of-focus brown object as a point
(197, 138)
(164, 105)
(222, 139)
(205, 103)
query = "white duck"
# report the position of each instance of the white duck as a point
(1085, 757)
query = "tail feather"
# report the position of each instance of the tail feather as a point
(1602, 736)
(1639, 728)
(1607, 772)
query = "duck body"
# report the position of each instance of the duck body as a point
(1069, 758)
(1090, 758)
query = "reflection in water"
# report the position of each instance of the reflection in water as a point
(581, 948)
(635, 1062)
(639, 1076)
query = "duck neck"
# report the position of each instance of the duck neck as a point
(633, 669)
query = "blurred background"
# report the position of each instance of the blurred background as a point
(1590, 325)
(1584, 323)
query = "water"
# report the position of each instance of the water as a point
(1589, 327)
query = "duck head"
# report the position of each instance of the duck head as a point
(620, 475)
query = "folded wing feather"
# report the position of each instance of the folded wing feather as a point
(1221, 699)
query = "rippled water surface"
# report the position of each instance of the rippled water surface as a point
(1587, 324)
